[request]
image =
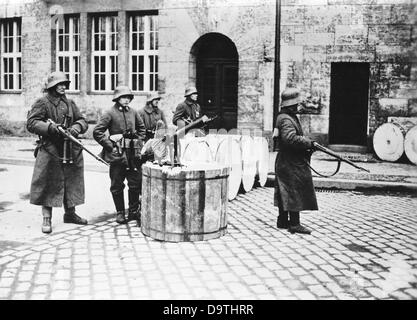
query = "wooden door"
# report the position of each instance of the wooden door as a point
(217, 87)
(348, 119)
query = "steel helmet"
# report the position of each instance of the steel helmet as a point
(290, 97)
(189, 91)
(121, 91)
(56, 77)
(154, 96)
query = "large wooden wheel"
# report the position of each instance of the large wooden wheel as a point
(410, 145)
(262, 160)
(388, 141)
(248, 163)
(196, 150)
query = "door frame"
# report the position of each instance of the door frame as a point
(196, 63)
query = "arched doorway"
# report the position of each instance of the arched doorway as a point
(216, 60)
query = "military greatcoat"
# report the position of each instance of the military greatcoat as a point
(53, 181)
(151, 115)
(188, 109)
(293, 181)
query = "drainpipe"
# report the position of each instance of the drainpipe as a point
(277, 61)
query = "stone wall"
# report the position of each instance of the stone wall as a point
(315, 33)
(250, 25)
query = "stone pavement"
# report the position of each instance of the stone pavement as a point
(363, 246)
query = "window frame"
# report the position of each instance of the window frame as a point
(70, 53)
(107, 54)
(17, 74)
(146, 52)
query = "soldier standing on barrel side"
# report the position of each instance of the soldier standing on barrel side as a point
(123, 155)
(57, 180)
(294, 189)
(151, 114)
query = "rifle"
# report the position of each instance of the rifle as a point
(318, 147)
(68, 135)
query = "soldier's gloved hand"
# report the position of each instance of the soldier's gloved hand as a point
(74, 131)
(53, 130)
(205, 118)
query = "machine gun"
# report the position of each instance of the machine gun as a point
(198, 123)
(174, 151)
(71, 138)
(318, 147)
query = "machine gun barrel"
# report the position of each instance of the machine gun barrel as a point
(66, 134)
(335, 155)
(200, 121)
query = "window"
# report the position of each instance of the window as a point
(11, 55)
(104, 53)
(144, 53)
(68, 50)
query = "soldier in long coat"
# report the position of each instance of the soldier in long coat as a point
(294, 189)
(119, 119)
(151, 114)
(53, 182)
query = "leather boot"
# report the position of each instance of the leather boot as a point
(47, 216)
(133, 214)
(46, 225)
(134, 205)
(295, 226)
(282, 221)
(71, 217)
(120, 217)
(119, 203)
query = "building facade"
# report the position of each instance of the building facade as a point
(353, 60)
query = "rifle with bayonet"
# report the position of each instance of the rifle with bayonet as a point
(318, 147)
(70, 137)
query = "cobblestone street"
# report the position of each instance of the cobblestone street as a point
(363, 246)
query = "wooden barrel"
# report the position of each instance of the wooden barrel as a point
(388, 141)
(196, 150)
(262, 160)
(248, 162)
(410, 145)
(184, 203)
(228, 153)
